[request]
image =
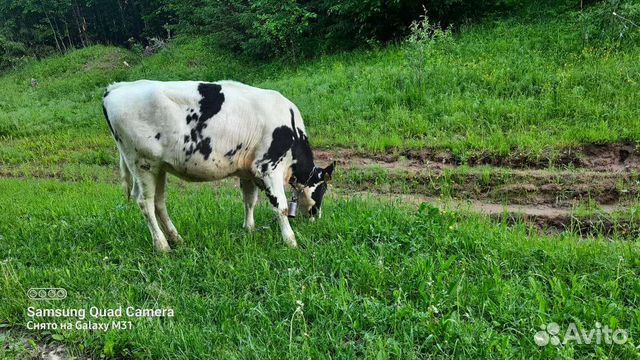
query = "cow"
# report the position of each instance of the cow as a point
(205, 131)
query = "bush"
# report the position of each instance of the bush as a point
(11, 53)
(424, 42)
(271, 28)
(611, 23)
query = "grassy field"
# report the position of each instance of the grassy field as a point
(374, 278)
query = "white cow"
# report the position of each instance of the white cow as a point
(202, 131)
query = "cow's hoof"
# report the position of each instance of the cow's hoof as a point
(162, 248)
(176, 240)
(250, 228)
(291, 242)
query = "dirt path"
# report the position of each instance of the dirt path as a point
(608, 157)
(591, 190)
(604, 222)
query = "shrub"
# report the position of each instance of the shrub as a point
(611, 23)
(425, 40)
(11, 52)
(270, 28)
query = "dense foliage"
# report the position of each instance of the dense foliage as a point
(40, 27)
(258, 28)
(267, 28)
(263, 29)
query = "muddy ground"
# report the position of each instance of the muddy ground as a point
(598, 157)
(592, 190)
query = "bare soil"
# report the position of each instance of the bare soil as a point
(623, 156)
(544, 191)
(604, 222)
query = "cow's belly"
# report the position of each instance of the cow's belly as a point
(216, 167)
(193, 170)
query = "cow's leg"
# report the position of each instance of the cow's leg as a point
(274, 188)
(125, 177)
(146, 182)
(250, 193)
(135, 190)
(166, 225)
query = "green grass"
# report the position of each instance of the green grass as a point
(377, 279)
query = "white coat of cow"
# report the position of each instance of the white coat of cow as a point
(203, 131)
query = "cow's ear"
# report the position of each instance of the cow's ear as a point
(328, 171)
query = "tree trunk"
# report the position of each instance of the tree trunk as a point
(76, 15)
(64, 46)
(55, 36)
(68, 34)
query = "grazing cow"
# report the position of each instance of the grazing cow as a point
(202, 131)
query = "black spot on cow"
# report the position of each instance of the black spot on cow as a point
(190, 151)
(204, 147)
(212, 99)
(145, 166)
(158, 136)
(272, 199)
(304, 169)
(192, 117)
(260, 184)
(113, 132)
(106, 93)
(282, 139)
(232, 152)
(210, 104)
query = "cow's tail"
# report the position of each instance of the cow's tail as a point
(125, 173)
(125, 176)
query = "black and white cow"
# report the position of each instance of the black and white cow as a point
(202, 131)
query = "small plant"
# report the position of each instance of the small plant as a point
(424, 43)
(155, 44)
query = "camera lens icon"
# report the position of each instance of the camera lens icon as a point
(47, 293)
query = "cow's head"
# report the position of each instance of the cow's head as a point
(310, 193)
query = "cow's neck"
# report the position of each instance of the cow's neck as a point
(303, 165)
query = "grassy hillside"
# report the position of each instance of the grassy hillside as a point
(525, 84)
